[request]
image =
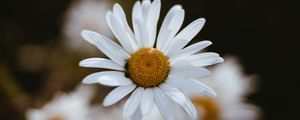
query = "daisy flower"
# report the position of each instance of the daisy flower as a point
(73, 106)
(85, 14)
(232, 87)
(157, 70)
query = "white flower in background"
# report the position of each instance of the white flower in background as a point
(85, 14)
(232, 86)
(73, 106)
(155, 75)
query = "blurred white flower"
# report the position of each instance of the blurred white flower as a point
(73, 106)
(232, 87)
(85, 14)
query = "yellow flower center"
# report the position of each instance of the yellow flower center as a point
(147, 67)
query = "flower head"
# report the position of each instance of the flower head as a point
(232, 86)
(156, 69)
(74, 106)
(85, 14)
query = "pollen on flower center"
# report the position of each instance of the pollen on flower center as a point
(147, 67)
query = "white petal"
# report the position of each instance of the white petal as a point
(192, 49)
(173, 93)
(191, 86)
(205, 89)
(121, 33)
(108, 78)
(137, 15)
(117, 94)
(172, 22)
(152, 19)
(120, 15)
(178, 97)
(162, 104)
(205, 59)
(190, 106)
(145, 7)
(183, 68)
(176, 108)
(133, 102)
(136, 116)
(175, 25)
(107, 46)
(143, 33)
(147, 102)
(218, 60)
(100, 63)
(145, 17)
(185, 36)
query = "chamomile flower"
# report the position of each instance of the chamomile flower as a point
(84, 14)
(156, 70)
(74, 106)
(232, 86)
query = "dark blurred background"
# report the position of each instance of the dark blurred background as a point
(262, 33)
